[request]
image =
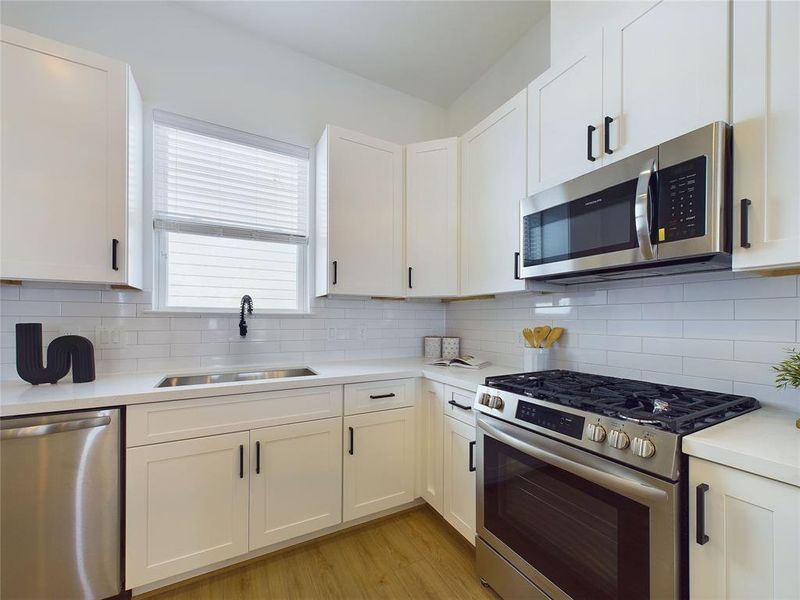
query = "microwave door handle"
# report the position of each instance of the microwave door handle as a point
(642, 209)
(626, 487)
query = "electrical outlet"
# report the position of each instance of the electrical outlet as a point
(331, 333)
(109, 337)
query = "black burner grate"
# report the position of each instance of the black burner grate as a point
(671, 408)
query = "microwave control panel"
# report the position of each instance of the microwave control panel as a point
(681, 201)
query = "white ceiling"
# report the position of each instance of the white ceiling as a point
(430, 49)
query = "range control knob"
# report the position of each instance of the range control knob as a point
(595, 432)
(496, 402)
(618, 439)
(485, 399)
(643, 447)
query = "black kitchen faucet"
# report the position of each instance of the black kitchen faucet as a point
(246, 300)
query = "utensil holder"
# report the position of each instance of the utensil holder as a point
(536, 359)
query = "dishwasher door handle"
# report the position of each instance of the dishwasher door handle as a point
(63, 426)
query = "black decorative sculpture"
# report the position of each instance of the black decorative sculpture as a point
(62, 352)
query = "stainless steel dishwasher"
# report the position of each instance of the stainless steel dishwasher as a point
(60, 501)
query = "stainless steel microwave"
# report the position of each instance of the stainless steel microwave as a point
(662, 211)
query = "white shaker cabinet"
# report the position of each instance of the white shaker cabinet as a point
(564, 127)
(493, 182)
(295, 480)
(665, 72)
(71, 188)
(766, 140)
(186, 505)
(359, 215)
(459, 476)
(379, 461)
(432, 448)
(749, 534)
(432, 218)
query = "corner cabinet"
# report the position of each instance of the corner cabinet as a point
(493, 183)
(71, 189)
(432, 450)
(432, 218)
(744, 534)
(359, 215)
(766, 118)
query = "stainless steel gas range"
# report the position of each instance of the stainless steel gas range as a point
(582, 484)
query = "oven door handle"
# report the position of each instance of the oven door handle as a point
(628, 488)
(642, 208)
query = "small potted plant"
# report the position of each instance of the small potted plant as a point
(789, 373)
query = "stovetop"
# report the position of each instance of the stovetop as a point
(663, 407)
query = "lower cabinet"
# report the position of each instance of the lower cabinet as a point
(749, 534)
(459, 476)
(432, 452)
(379, 461)
(186, 505)
(295, 480)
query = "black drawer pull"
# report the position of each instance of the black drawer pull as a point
(700, 501)
(114, 246)
(380, 396)
(409, 278)
(607, 135)
(258, 458)
(461, 406)
(744, 223)
(589, 131)
(335, 271)
(516, 265)
(350, 451)
(472, 456)
(241, 461)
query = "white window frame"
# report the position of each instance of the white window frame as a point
(161, 229)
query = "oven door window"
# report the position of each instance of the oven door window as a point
(590, 542)
(596, 224)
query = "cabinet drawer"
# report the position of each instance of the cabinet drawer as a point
(184, 419)
(378, 395)
(455, 401)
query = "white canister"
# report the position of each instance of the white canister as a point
(433, 346)
(536, 359)
(451, 347)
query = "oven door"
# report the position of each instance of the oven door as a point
(575, 524)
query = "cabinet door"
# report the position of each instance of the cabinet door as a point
(432, 417)
(564, 127)
(186, 505)
(64, 160)
(665, 72)
(459, 477)
(295, 480)
(766, 116)
(379, 461)
(493, 157)
(365, 187)
(432, 218)
(753, 529)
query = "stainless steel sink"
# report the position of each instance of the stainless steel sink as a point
(205, 378)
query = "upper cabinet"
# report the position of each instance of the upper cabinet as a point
(766, 117)
(432, 218)
(493, 176)
(71, 188)
(359, 209)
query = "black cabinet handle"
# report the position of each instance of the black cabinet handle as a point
(335, 271)
(258, 458)
(606, 135)
(516, 265)
(350, 451)
(744, 223)
(471, 456)
(379, 396)
(461, 406)
(700, 501)
(114, 245)
(241, 461)
(589, 131)
(409, 278)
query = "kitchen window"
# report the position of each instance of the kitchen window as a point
(230, 217)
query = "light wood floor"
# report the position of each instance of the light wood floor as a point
(410, 556)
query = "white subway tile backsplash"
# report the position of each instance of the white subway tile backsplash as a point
(621, 343)
(763, 352)
(97, 309)
(772, 308)
(662, 293)
(761, 287)
(765, 330)
(660, 363)
(611, 312)
(646, 327)
(689, 347)
(58, 294)
(714, 309)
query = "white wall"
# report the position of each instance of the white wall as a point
(525, 61)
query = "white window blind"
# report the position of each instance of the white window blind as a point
(231, 217)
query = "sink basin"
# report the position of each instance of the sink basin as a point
(205, 378)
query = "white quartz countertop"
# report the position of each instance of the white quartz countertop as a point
(764, 442)
(21, 398)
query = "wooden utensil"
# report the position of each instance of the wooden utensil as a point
(553, 336)
(528, 335)
(539, 335)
